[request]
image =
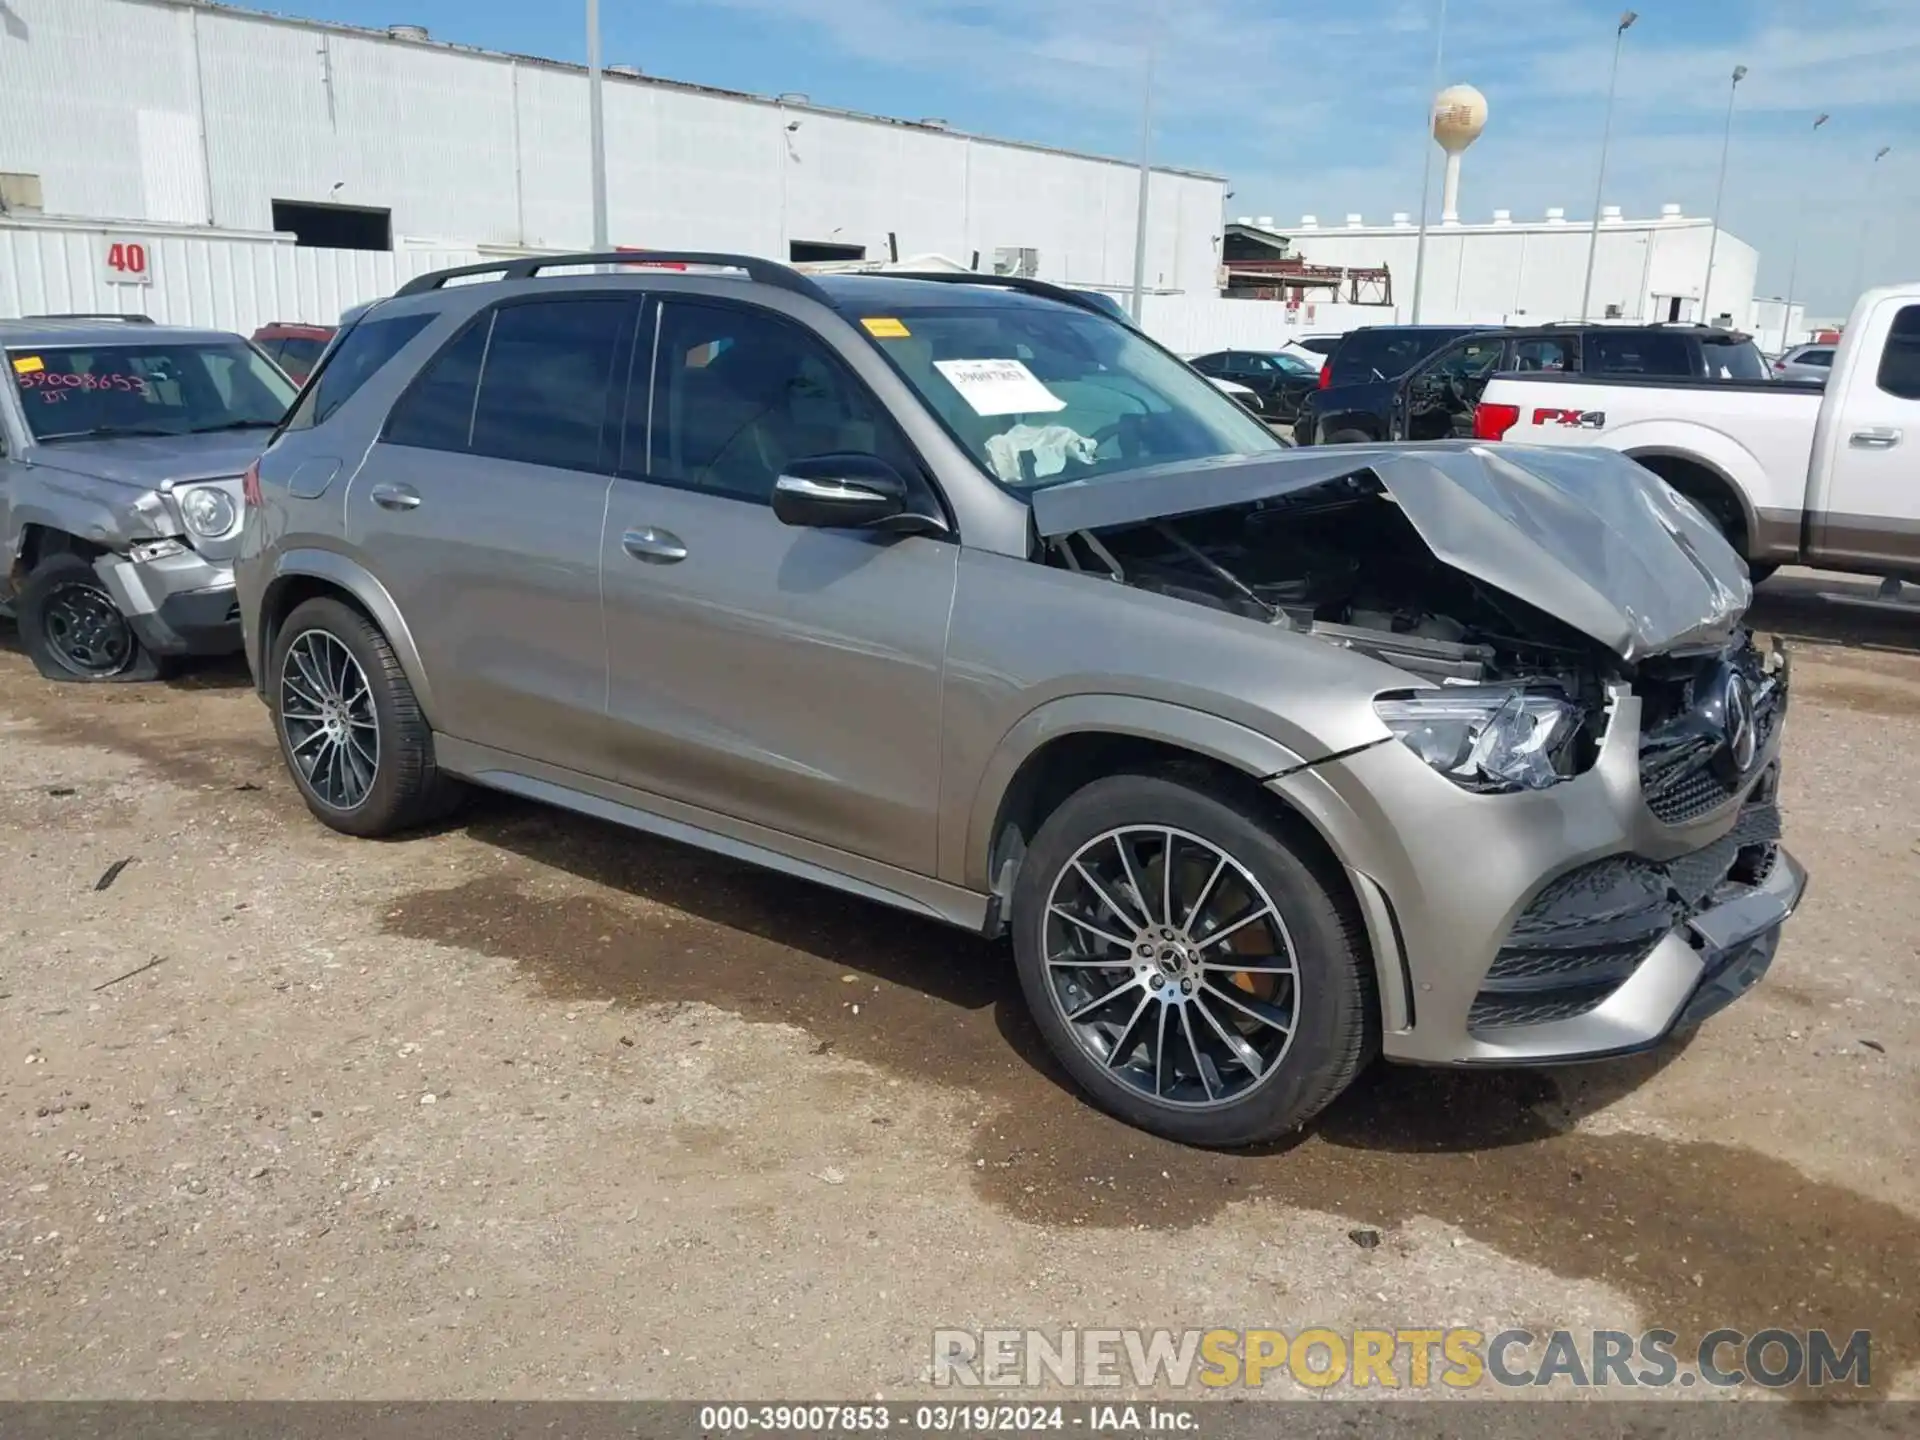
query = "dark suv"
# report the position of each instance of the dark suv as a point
(1408, 382)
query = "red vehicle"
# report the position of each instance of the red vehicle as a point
(294, 348)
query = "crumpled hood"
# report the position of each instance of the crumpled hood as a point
(149, 461)
(1586, 535)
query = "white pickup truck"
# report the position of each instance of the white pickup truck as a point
(1791, 474)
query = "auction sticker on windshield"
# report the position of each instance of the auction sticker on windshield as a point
(999, 387)
(885, 327)
(28, 364)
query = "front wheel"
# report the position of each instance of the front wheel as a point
(1189, 963)
(1348, 437)
(350, 728)
(72, 630)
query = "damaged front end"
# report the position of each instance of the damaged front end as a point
(1554, 623)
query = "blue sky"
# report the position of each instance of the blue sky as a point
(1316, 106)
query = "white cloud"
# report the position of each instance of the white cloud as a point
(1315, 107)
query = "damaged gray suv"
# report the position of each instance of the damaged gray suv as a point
(955, 593)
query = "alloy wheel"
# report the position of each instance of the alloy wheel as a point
(86, 631)
(327, 715)
(1171, 966)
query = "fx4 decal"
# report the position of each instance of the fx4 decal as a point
(1572, 419)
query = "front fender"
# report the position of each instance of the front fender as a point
(337, 570)
(1259, 756)
(101, 515)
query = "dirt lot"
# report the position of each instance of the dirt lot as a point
(536, 1108)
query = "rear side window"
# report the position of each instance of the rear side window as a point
(297, 353)
(436, 413)
(1822, 358)
(1900, 361)
(1385, 354)
(1550, 356)
(355, 360)
(1638, 352)
(1738, 360)
(549, 381)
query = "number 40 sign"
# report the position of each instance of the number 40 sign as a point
(126, 262)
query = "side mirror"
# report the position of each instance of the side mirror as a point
(839, 492)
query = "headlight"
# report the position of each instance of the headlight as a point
(208, 511)
(1487, 738)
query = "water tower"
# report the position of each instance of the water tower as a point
(1459, 115)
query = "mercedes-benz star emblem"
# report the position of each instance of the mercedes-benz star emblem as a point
(1743, 734)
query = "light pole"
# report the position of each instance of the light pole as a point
(1146, 165)
(1600, 184)
(1793, 269)
(1866, 226)
(1719, 193)
(596, 127)
(1426, 158)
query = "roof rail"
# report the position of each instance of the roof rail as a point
(528, 267)
(93, 315)
(1063, 293)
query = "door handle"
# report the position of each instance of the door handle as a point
(1880, 437)
(396, 497)
(653, 546)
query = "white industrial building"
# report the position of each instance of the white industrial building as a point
(1512, 270)
(220, 141)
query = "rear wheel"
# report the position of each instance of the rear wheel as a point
(350, 728)
(73, 630)
(1188, 964)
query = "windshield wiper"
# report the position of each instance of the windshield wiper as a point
(99, 432)
(233, 425)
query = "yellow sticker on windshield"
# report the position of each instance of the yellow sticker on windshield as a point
(885, 327)
(28, 364)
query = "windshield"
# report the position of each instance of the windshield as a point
(1039, 395)
(165, 388)
(1385, 354)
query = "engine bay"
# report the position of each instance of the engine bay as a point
(1340, 562)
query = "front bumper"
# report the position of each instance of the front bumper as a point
(178, 605)
(1566, 924)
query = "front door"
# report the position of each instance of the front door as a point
(1869, 516)
(1437, 401)
(782, 676)
(480, 510)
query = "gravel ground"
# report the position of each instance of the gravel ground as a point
(532, 1107)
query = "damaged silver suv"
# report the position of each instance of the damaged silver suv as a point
(955, 593)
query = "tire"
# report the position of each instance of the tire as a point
(1760, 571)
(72, 629)
(370, 772)
(1348, 437)
(1330, 992)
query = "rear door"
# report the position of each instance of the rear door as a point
(480, 510)
(786, 677)
(1868, 512)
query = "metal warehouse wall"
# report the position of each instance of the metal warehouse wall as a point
(1478, 274)
(171, 111)
(195, 278)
